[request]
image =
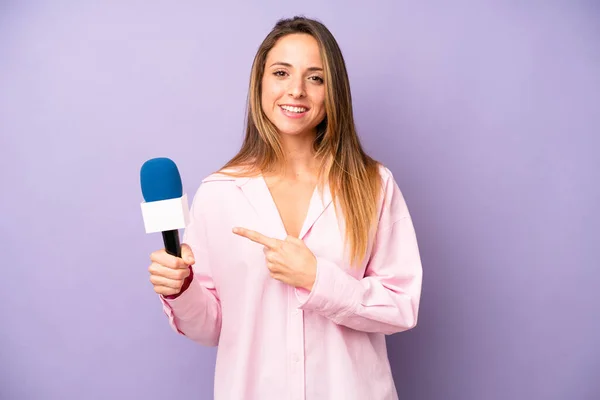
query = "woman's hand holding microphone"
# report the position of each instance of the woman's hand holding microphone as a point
(171, 275)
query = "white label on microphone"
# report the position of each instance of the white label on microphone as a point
(166, 215)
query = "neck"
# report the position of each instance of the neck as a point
(301, 162)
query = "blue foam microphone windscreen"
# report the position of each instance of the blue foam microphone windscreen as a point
(165, 206)
(160, 180)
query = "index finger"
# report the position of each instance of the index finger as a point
(256, 237)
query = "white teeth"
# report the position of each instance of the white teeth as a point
(294, 109)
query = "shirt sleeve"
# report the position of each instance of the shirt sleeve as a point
(386, 299)
(196, 312)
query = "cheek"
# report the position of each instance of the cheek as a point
(270, 90)
(267, 101)
(319, 99)
(321, 105)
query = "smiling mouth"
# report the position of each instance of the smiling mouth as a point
(294, 109)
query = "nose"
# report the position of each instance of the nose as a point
(296, 88)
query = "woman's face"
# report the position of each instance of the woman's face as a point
(293, 93)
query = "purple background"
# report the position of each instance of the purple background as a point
(488, 115)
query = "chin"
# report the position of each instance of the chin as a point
(295, 132)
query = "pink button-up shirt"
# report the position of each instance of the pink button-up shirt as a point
(276, 342)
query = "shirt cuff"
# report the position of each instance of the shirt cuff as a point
(334, 293)
(185, 303)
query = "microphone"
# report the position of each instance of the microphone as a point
(165, 206)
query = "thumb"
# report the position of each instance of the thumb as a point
(187, 255)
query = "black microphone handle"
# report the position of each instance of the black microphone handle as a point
(171, 240)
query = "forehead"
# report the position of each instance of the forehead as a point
(296, 49)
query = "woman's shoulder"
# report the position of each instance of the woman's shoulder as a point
(386, 176)
(392, 199)
(231, 174)
(384, 172)
(219, 176)
(220, 183)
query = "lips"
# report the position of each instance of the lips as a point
(297, 109)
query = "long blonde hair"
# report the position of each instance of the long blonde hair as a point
(353, 176)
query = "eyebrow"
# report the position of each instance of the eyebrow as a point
(284, 64)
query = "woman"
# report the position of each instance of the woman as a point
(300, 255)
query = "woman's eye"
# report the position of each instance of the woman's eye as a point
(282, 74)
